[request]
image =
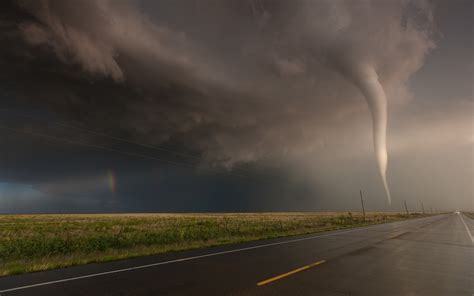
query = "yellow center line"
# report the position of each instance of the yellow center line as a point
(289, 273)
(396, 235)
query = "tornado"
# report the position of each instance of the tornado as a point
(366, 79)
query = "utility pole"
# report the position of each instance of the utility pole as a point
(406, 208)
(362, 202)
(422, 208)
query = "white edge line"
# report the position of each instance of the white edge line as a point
(190, 258)
(174, 261)
(467, 228)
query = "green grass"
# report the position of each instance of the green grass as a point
(39, 242)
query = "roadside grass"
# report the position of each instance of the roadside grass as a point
(31, 243)
(469, 214)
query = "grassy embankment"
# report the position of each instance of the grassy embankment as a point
(39, 242)
(469, 214)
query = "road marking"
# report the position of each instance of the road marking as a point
(201, 256)
(177, 260)
(396, 235)
(467, 228)
(278, 277)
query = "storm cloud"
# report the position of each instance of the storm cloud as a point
(259, 77)
(231, 82)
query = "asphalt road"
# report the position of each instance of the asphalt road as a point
(428, 256)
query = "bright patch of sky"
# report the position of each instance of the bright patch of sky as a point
(16, 193)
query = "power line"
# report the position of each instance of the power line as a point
(106, 135)
(125, 140)
(189, 165)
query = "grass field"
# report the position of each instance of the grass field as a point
(469, 214)
(39, 242)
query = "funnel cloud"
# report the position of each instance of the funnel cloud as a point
(367, 80)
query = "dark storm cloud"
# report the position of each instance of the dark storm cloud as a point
(229, 81)
(260, 83)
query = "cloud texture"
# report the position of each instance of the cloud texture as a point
(230, 81)
(239, 81)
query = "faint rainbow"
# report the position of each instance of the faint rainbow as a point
(112, 181)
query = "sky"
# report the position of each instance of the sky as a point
(230, 106)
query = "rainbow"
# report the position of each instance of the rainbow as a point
(112, 181)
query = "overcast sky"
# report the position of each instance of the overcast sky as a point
(248, 105)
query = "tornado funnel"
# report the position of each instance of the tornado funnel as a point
(366, 79)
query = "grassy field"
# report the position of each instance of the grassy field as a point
(39, 242)
(469, 214)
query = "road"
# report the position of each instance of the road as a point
(427, 256)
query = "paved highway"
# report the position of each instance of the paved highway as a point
(427, 256)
